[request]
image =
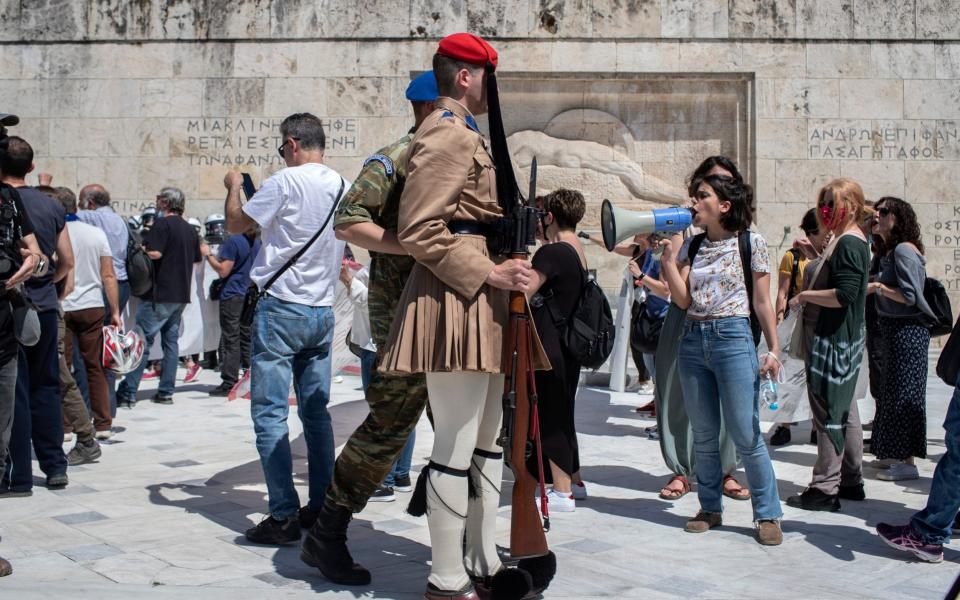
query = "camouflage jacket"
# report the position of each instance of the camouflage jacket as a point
(374, 197)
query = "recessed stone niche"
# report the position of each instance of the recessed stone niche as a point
(633, 139)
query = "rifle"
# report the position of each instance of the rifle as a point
(519, 435)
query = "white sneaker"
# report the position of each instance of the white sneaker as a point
(67, 438)
(338, 379)
(579, 491)
(899, 472)
(104, 435)
(560, 502)
(646, 389)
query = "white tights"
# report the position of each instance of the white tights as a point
(467, 411)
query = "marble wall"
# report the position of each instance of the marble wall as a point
(138, 94)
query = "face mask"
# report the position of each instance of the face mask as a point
(830, 217)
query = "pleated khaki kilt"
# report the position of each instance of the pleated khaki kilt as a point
(436, 329)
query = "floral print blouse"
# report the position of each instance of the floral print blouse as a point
(717, 285)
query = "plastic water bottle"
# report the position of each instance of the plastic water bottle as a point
(768, 393)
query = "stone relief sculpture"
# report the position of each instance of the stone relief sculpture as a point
(591, 156)
(594, 151)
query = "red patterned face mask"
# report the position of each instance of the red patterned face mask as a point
(830, 217)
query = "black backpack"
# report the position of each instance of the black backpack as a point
(139, 266)
(936, 297)
(587, 336)
(746, 253)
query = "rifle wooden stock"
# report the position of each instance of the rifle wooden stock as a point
(527, 538)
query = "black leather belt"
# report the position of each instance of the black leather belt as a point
(470, 228)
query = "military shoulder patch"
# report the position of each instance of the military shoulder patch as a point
(384, 160)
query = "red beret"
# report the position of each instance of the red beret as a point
(467, 48)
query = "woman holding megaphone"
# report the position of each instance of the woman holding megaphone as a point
(718, 366)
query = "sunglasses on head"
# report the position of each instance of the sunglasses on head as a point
(883, 211)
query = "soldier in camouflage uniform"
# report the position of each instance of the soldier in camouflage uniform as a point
(367, 217)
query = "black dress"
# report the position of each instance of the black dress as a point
(557, 388)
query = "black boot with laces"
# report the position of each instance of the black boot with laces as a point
(325, 547)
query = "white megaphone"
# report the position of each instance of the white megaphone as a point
(618, 224)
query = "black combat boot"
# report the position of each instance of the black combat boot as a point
(325, 547)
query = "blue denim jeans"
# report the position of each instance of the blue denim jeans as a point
(368, 358)
(292, 339)
(934, 522)
(154, 318)
(648, 362)
(718, 374)
(401, 468)
(37, 416)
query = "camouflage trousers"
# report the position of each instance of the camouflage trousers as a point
(396, 404)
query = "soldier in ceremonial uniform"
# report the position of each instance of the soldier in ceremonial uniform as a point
(367, 217)
(451, 319)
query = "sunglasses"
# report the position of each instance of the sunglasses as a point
(828, 204)
(883, 212)
(284, 144)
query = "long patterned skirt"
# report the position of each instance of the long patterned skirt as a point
(900, 425)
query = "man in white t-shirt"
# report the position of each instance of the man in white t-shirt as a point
(293, 327)
(83, 309)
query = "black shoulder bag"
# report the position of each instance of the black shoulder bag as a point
(252, 298)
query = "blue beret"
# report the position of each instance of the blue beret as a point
(423, 88)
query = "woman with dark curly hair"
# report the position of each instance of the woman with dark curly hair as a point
(900, 425)
(717, 358)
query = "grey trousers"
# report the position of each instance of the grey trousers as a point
(76, 418)
(831, 469)
(8, 394)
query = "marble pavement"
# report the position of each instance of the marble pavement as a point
(162, 514)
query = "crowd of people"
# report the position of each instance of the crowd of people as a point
(430, 321)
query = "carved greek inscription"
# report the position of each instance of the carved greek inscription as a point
(253, 142)
(887, 143)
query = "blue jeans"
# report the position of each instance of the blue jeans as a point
(718, 374)
(123, 291)
(934, 522)
(37, 416)
(154, 318)
(367, 359)
(648, 362)
(292, 339)
(401, 468)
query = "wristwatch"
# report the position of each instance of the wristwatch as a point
(41, 265)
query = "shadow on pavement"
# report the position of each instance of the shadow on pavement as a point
(223, 500)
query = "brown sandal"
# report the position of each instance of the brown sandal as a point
(741, 493)
(669, 494)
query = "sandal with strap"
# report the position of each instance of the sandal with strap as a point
(671, 494)
(740, 493)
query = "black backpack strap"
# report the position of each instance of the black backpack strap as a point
(584, 279)
(746, 260)
(694, 247)
(794, 272)
(296, 257)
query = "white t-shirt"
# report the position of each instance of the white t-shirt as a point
(290, 207)
(717, 284)
(89, 245)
